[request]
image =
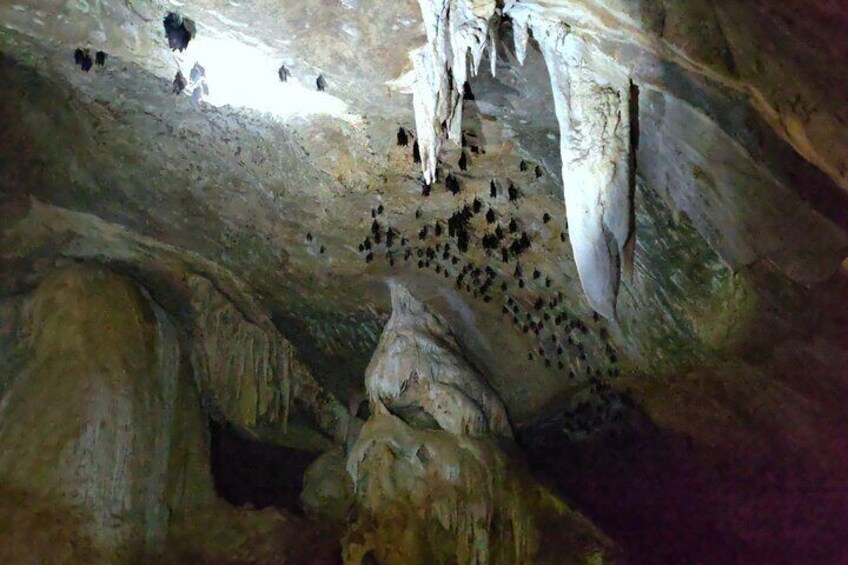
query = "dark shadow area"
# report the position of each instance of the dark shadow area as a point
(350, 352)
(250, 472)
(629, 247)
(764, 481)
(664, 500)
(179, 31)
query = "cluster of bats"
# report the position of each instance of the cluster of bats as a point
(442, 244)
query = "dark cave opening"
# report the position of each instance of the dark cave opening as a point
(247, 472)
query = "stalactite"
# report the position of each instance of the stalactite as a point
(592, 101)
(248, 371)
(455, 29)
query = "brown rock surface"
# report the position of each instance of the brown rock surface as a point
(89, 421)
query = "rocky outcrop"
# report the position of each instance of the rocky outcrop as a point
(90, 422)
(249, 375)
(479, 515)
(732, 112)
(327, 490)
(418, 367)
(444, 492)
(429, 496)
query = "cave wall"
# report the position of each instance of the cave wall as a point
(226, 193)
(99, 417)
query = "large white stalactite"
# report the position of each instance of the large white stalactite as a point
(592, 101)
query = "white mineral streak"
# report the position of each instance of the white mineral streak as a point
(455, 29)
(591, 98)
(418, 364)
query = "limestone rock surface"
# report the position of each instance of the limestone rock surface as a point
(418, 366)
(250, 375)
(430, 496)
(327, 488)
(448, 492)
(89, 422)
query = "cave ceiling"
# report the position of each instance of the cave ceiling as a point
(269, 188)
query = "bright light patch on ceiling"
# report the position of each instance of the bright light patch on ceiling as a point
(242, 75)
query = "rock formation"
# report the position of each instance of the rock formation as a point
(432, 496)
(446, 492)
(249, 374)
(90, 422)
(592, 97)
(592, 100)
(597, 107)
(455, 29)
(327, 489)
(418, 366)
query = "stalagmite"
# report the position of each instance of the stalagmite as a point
(448, 493)
(456, 492)
(418, 364)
